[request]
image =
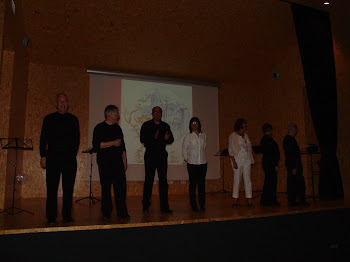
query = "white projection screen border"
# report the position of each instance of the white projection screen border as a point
(106, 88)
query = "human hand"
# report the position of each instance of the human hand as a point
(43, 162)
(117, 142)
(156, 134)
(234, 163)
(166, 136)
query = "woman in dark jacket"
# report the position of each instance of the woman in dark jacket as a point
(271, 156)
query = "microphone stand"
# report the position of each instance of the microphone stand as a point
(223, 153)
(16, 143)
(91, 197)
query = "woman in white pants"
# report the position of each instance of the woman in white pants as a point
(240, 151)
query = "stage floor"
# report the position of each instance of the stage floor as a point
(87, 215)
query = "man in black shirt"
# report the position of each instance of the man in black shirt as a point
(108, 140)
(155, 135)
(271, 157)
(59, 143)
(295, 178)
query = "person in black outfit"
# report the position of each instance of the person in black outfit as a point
(155, 135)
(295, 178)
(59, 143)
(108, 140)
(271, 156)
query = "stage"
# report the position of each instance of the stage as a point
(320, 232)
(87, 215)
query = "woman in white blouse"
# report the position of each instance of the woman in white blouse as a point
(240, 151)
(193, 151)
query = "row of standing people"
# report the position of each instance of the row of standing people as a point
(59, 143)
(240, 152)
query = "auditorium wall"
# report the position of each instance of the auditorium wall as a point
(13, 99)
(267, 43)
(248, 90)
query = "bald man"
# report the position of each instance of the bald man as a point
(59, 143)
(155, 135)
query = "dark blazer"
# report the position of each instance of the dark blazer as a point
(270, 150)
(292, 152)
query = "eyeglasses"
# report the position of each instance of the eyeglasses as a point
(194, 123)
(156, 112)
(115, 113)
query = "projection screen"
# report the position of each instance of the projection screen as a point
(135, 98)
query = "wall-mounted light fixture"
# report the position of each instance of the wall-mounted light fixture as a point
(276, 74)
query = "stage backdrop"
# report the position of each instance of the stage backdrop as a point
(135, 99)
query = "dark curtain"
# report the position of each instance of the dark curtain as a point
(314, 34)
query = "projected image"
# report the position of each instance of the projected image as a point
(138, 99)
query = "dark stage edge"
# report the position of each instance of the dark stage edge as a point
(311, 236)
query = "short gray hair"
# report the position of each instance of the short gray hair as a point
(109, 109)
(292, 127)
(59, 95)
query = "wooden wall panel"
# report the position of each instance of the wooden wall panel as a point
(44, 83)
(255, 43)
(5, 104)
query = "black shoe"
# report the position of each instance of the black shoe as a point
(250, 205)
(265, 203)
(305, 204)
(234, 205)
(292, 203)
(126, 216)
(276, 203)
(194, 208)
(106, 218)
(202, 209)
(51, 221)
(145, 209)
(68, 219)
(166, 210)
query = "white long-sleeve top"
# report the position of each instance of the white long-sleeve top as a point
(241, 148)
(193, 148)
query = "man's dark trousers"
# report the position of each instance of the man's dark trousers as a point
(55, 165)
(156, 161)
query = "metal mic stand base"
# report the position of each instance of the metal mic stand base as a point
(91, 197)
(12, 212)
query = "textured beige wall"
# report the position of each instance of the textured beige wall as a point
(3, 100)
(44, 83)
(14, 82)
(5, 105)
(241, 52)
(2, 21)
(258, 98)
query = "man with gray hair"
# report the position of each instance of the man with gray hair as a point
(295, 178)
(108, 140)
(59, 143)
